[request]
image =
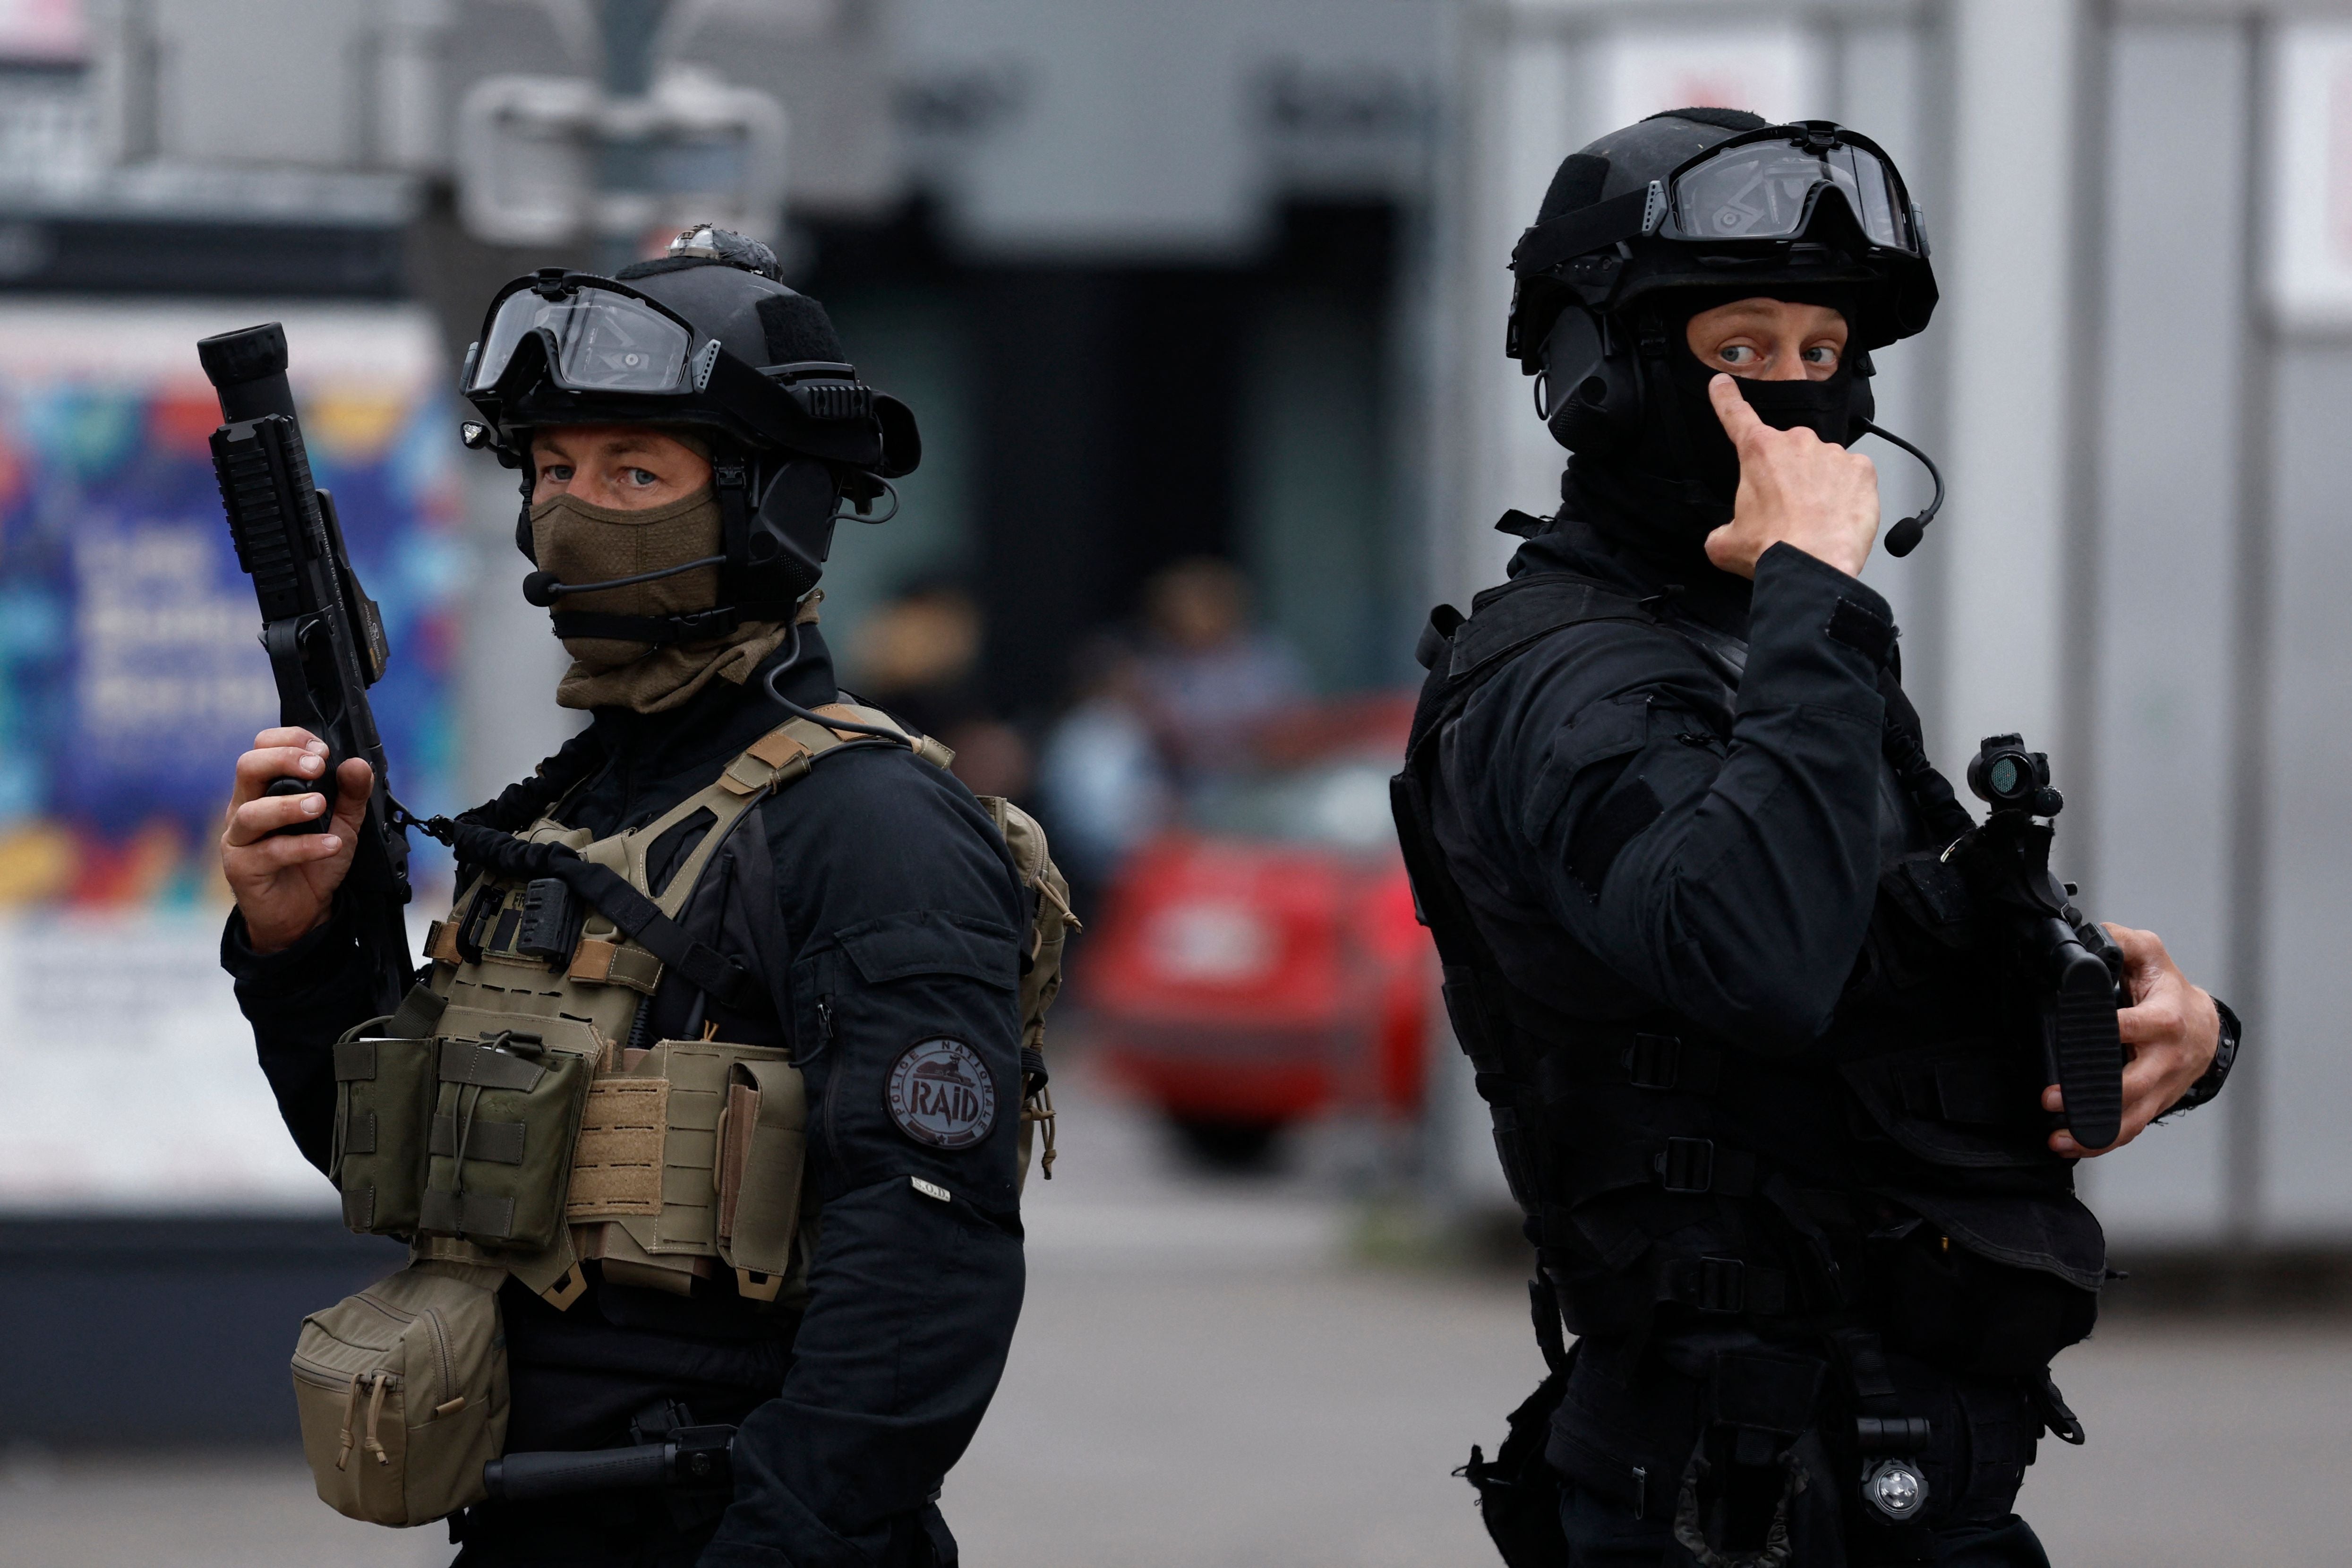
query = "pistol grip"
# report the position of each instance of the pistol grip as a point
(302, 786)
(2087, 1052)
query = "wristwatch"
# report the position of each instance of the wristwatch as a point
(2225, 1053)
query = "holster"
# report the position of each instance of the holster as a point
(1518, 1491)
(1759, 1487)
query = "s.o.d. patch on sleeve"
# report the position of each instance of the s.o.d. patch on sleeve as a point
(940, 1094)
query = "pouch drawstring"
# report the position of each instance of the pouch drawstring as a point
(375, 1409)
(379, 1381)
(465, 1110)
(1040, 1110)
(350, 1408)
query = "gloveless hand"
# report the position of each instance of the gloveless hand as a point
(1794, 488)
(2170, 1032)
(285, 886)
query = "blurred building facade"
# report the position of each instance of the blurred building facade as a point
(1225, 278)
(1149, 275)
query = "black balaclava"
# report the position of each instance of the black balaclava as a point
(1660, 495)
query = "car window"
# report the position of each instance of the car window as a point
(1340, 805)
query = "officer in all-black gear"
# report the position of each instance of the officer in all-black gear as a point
(687, 436)
(1763, 1073)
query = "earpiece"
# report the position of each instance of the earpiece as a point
(1587, 393)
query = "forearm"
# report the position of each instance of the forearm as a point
(1746, 896)
(299, 1000)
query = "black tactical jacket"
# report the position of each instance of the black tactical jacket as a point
(884, 911)
(1758, 1069)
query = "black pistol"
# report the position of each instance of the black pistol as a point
(323, 633)
(2071, 962)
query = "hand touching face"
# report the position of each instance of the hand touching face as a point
(1769, 339)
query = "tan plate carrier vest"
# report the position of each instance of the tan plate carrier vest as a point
(499, 1119)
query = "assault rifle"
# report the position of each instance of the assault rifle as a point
(2071, 961)
(323, 633)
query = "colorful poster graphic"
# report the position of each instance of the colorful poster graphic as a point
(131, 678)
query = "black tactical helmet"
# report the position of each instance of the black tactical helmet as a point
(707, 338)
(1711, 199)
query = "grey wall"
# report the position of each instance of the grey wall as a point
(2156, 799)
(2304, 1072)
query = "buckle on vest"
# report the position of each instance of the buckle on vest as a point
(1722, 1285)
(1653, 1061)
(1685, 1165)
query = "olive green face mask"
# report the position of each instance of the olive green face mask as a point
(580, 542)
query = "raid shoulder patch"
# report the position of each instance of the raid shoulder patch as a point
(940, 1093)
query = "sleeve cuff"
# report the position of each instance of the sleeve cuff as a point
(2225, 1056)
(318, 959)
(1815, 635)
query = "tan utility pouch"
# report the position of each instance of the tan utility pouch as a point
(1041, 967)
(504, 1121)
(693, 1151)
(402, 1391)
(762, 1147)
(383, 1099)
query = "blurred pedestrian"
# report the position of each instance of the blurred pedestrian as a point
(1104, 784)
(1207, 679)
(918, 657)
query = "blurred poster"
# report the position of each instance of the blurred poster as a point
(43, 31)
(131, 678)
(2310, 201)
(1774, 69)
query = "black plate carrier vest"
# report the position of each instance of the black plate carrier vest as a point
(1894, 1175)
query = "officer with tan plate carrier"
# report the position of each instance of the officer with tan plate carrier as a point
(706, 1118)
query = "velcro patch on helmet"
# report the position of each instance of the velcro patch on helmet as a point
(940, 1094)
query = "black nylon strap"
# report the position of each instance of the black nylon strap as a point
(1685, 1166)
(1543, 1308)
(663, 630)
(1573, 234)
(708, 970)
(1663, 1063)
(1719, 1286)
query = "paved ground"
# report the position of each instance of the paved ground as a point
(1201, 1382)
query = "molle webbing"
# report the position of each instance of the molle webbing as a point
(672, 1157)
(504, 854)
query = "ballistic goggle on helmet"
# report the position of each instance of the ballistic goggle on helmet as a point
(1809, 203)
(709, 340)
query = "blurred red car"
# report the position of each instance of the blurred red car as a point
(1261, 965)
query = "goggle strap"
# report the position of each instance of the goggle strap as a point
(730, 479)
